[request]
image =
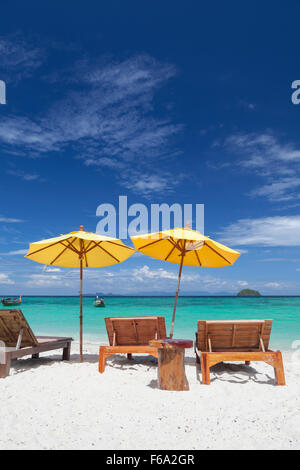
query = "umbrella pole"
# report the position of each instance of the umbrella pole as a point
(81, 322)
(176, 296)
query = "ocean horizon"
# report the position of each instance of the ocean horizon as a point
(59, 315)
(93, 296)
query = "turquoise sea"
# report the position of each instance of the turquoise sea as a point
(60, 315)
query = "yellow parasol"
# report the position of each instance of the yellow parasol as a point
(80, 250)
(185, 247)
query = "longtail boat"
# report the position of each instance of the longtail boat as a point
(99, 303)
(9, 301)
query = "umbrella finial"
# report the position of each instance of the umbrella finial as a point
(81, 228)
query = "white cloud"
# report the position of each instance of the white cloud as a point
(15, 252)
(109, 121)
(104, 162)
(45, 280)
(10, 220)
(145, 272)
(5, 280)
(247, 105)
(18, 57)
(143, 280)
(260, 149)
(273, 285)
(277, 162)
(189, 281)
(274, 260)
(23, 175)
(27, 134)
(148, 184)
(265, 231)
(279, 190)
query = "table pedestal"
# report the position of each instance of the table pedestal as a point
(171, 371)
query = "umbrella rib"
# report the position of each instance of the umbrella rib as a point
(148, 244)
(219, 254)
(86, 249)
(93, 247)
(197, 256)
(65, 248)
(173, 248)
(72, 247)
(48, 246)
(176, 244)
(85, 253)
(107, 252)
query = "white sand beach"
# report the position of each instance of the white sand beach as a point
(48, 404)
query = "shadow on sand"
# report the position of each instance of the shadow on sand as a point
(235, 373)
(231, 373)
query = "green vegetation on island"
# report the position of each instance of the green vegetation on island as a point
(248, 293)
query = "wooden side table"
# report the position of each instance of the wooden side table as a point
(171, 371)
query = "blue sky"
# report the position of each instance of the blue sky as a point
(163, 102)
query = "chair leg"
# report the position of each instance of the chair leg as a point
(205, 369)
(5, 368)
(279, 370)
(102, 359)
(197, 358)
(67, 352)
(129, 357)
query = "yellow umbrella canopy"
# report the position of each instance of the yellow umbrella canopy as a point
(80, 250)
(185, 247)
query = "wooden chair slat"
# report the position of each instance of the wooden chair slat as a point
(246, 340)
(235, 333)
(132, 335)
(11, 322)
(135, 330)
(17, 335)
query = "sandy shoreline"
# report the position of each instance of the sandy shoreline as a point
(60, 405)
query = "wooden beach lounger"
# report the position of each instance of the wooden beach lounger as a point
(129, 335)
(242, 340)
(20, 341)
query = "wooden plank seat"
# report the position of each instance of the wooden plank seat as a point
(18, 340)
(236, 340)
(131, 335)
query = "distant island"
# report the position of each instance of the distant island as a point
(248, 293)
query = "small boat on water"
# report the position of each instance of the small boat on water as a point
(99, 303)
(10, 301)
